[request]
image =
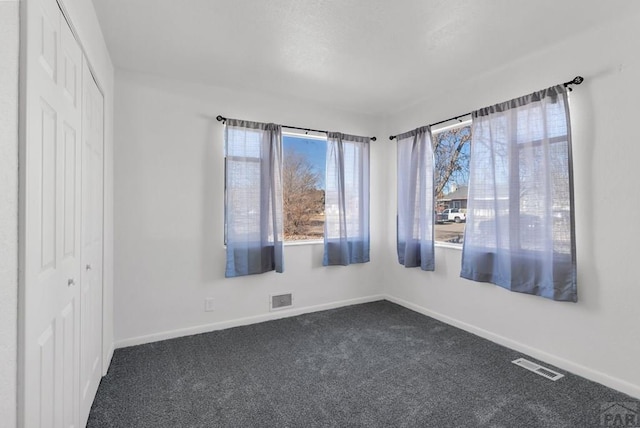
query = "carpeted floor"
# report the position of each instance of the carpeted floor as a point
(371, 365)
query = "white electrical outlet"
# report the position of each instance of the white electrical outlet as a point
(209, 303)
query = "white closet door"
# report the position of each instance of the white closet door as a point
(92, 227)
(51, 212)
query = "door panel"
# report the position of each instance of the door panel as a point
(44, 374)
(69, 365)
(70, 186)
(48, 20)
(71, 66)
(51, 204)
(92, 243)
(48, 153)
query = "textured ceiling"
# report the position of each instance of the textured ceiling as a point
(371, 56)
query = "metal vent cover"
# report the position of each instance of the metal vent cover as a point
(538, 369)
(280, 301)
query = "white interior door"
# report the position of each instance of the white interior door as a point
(51, 220)
(92, 227)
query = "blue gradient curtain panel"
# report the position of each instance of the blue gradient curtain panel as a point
(346, 226)
(415, 243)
(253, 198)
(520, 220)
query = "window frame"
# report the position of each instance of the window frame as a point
(434, 132)
(309, 135)
(299, 134)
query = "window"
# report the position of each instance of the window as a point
(451, 179)
(303, 181)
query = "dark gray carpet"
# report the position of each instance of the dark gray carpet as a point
(370, 365)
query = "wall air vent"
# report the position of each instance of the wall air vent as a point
(537, 368)
(280, 301)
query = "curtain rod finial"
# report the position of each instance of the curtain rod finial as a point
(220, 118)
(374, 139)
(575, 81)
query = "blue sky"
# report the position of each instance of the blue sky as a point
(313, 149)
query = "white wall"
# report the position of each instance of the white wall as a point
(85, 22)
(599, 337)
(9, 35)
(169, 213)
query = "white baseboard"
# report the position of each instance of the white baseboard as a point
(570, 366)
(205, 328)
(107, 359)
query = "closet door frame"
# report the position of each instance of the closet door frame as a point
(32, 266)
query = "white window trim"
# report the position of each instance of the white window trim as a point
(300, 134)
(449, 245)
(301, 242)
(444, 128)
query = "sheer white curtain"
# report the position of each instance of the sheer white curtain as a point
(520, 220)
(346, 226)
(253, 200)
(415, 199)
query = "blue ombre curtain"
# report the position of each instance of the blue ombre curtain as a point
(253, 208)
(415, 199)
(520, 216)
(346, 226)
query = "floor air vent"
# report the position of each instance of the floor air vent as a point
(537, 368)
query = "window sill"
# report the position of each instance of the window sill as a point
(296, 243)
(448, 245)
(304, 242)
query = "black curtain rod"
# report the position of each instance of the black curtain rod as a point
(224, 119)
(575, 81)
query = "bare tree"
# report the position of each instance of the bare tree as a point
(452, 161)
(302, 199)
